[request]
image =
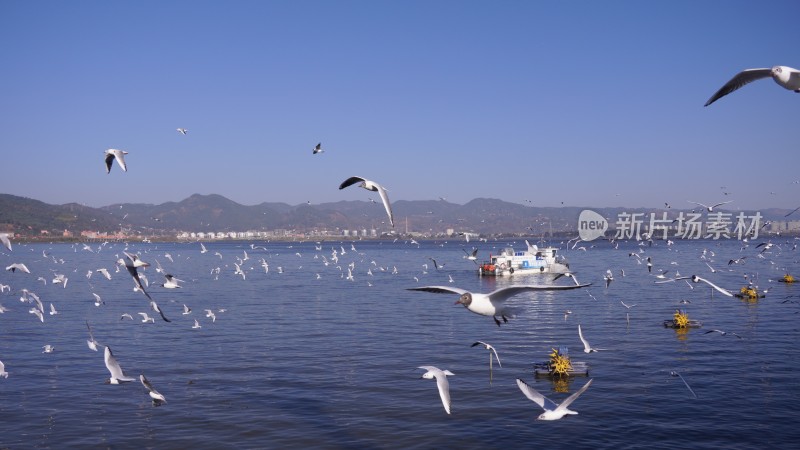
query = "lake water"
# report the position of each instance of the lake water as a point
(298, 360)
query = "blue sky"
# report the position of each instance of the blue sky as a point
(581, 102)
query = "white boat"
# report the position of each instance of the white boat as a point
(532, 261)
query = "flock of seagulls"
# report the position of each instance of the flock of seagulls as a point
(492, 304)
(495, 305)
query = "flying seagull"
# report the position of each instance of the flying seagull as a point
(172, 282)
(18, 266)
(7, 243)
(119, 155)
(441, 383)
(552, 411)
(586, 347)
(132, 264)
(91, 342)
(371, 186)
(710, 208)
(317, 149)
(723, 291)
(724, 333)
(786, 77)
(491, 351)
(157, 397)
(113, 367)
(493, 303)
(674, 373)
(183, 131)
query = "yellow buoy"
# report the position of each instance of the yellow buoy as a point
(681, 319)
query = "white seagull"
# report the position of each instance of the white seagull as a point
(318, 149)
(786, 77)
(172, 282)
(37, 313)
(186, 310)
(371, 186)
(157, 397)
(7, 243)
(493, 303)
(723, 291)
(18, 266)
(113, 367)
(441, 383)
(104, 272)
(586, 347)
(609, 277)
(119, 155)
(146, 318)
(91, 342)
(182, 131)
(710, 208)
(3, 372)
(724, 333)
(552, 411)
(491, 351)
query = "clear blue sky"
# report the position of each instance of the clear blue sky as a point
(582, 102)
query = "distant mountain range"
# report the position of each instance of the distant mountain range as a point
(216, 213)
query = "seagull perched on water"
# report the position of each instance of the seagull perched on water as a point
(786, 77)
(113, 367)
(552, 411)
(493, 303)
(119, 155)
(441, 383)
(157, 397)
(371, 186)
(3, 372)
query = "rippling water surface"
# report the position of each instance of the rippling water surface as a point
(301, 361)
